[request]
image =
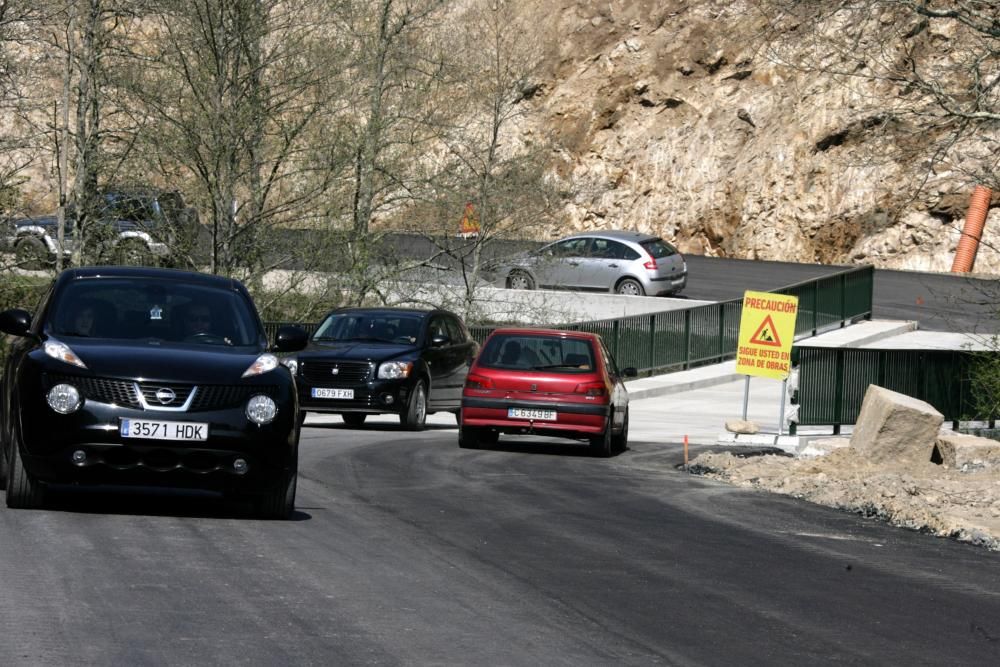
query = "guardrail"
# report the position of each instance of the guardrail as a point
(680, 339)
(833, 382)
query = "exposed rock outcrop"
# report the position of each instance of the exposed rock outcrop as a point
(670, 118)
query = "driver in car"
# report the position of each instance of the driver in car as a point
(197, 321)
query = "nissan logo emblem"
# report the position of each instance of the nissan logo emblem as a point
(165, 395)
(335, 370)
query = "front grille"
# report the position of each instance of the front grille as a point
(123, 392)
(102, 390)
(222, 396)
(348, 372)
(181, 392)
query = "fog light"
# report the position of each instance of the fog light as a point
(240, 466)
(388, 399)
(261, 409)
(79, 457)
(64, 398)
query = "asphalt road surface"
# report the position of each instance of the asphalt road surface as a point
(407, 550)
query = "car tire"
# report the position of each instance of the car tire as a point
(23, 491)
(619, 442)
(132, 252)
(353, 419)
(31, 253)
(415, 417)
(520, 280)
(601, 445)
(630, 287)
(279, 502)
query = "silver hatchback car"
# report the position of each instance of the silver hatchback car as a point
(623, 262)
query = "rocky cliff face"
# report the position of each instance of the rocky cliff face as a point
(670, 119)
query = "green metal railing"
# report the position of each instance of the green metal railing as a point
(679, 339)
(833, 382)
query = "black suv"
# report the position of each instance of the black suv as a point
(364, 361)
(133, 226)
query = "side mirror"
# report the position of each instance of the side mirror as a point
(440, 341)
(290, 339)
(15, 322)
(630, 372)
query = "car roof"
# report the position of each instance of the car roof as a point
(532, 331)
(615, 234)
(207, 279)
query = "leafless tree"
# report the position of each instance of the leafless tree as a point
(228, 94)
(495, 171)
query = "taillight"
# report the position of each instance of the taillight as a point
(478, 382)
(651, 264)
(591, 389)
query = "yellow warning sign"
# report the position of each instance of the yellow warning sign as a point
(767, 328)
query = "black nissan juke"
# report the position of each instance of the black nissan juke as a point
(148, 377)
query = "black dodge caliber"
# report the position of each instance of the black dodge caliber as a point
(149, 377)
(364, 361)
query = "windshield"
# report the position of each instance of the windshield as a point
(377, 327)
(533, 352)
(160, 310)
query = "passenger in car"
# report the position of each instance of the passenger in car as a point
(511, 355)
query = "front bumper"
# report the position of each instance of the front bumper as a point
(376, 397)
(50, 440)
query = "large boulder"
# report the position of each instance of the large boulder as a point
(895, 428)
(968, 453)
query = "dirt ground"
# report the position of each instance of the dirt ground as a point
(930, 498)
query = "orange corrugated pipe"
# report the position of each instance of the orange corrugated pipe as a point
(975, 220)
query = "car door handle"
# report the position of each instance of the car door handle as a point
(574, 263)
(613, 266)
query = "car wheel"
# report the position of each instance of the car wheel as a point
(620, 441)
(600, 445)
(132, 252)
(23, 491)
(416, 410)
(32, 254)
(630, 287)
(280, 502)
(354, 418)
(520, 280)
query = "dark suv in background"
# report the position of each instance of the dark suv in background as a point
(363, 361)
(132, 226)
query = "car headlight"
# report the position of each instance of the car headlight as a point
(262, 364)
(64, 398)
(261, 409)
(62, 352)
(291, 363)
(395, 370)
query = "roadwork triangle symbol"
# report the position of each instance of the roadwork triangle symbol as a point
(766, 334)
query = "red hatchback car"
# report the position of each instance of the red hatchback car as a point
(546, 382)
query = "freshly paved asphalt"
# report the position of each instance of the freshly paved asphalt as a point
(407, 550)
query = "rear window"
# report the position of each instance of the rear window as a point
(548, 353)
(658, 248)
